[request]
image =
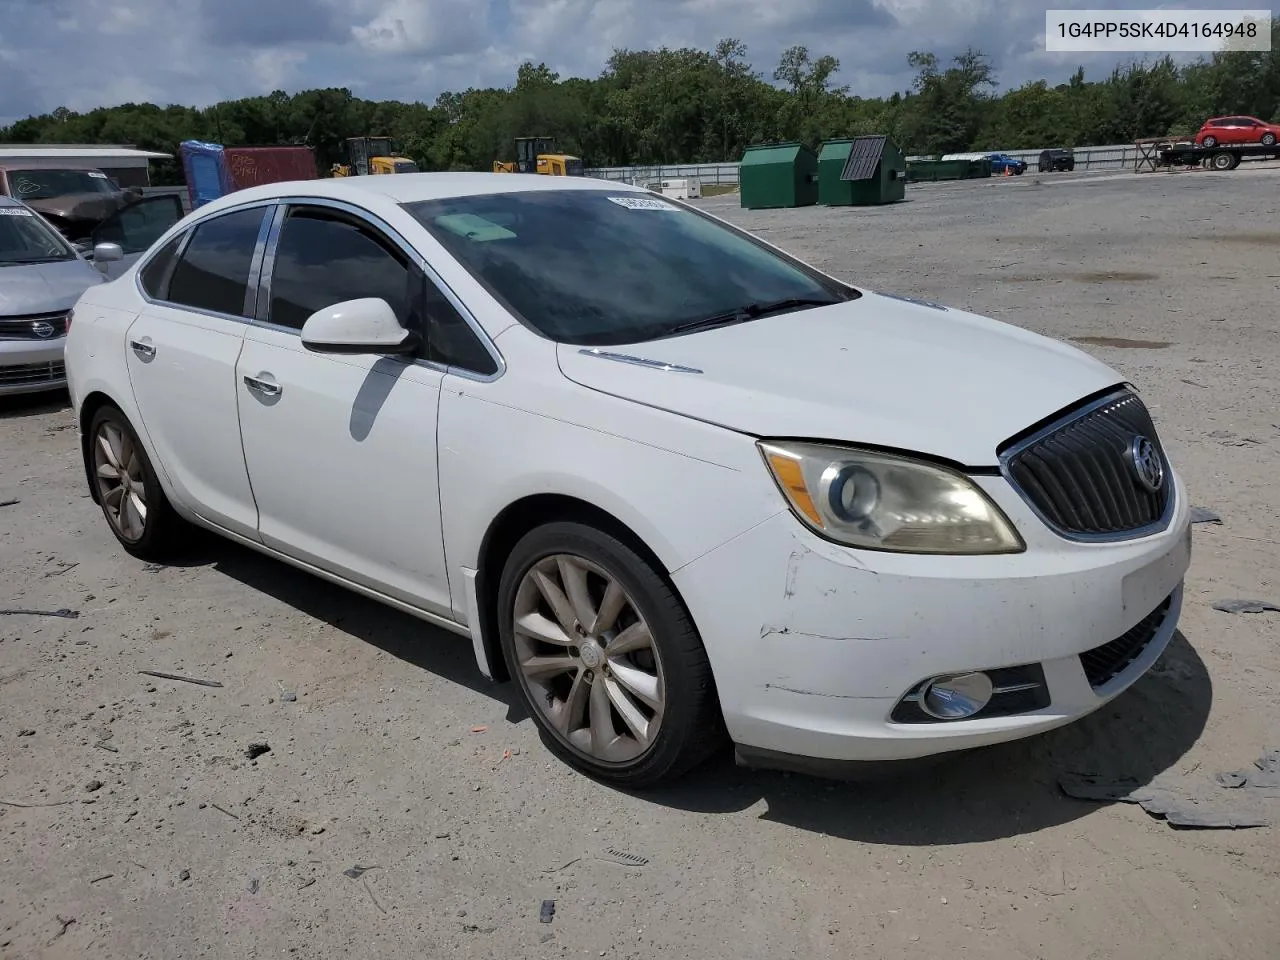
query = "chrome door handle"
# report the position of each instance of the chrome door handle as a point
(143, 348)
(265, 387)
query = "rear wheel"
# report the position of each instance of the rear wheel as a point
(606, 657)
(136, 508)
(1210, 141)
(1224, 161)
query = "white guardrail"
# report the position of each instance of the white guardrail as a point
(1120, 156)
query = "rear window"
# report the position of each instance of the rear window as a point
(595, 267)
(47, 184)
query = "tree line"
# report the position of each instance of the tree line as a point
(668, 106)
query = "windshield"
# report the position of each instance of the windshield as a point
(25, 238)
(46, 184)
(595, 268)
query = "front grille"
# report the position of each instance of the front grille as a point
(1103, 664)
(1080, 474)
(31, 327)
(32, 373)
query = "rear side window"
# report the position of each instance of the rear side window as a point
(155, 275)
(323, 258)
(213, 273)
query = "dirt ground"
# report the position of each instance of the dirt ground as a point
(147, 833)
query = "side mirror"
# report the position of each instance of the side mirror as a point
(367, 325)
(104, 253)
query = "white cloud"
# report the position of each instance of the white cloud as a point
(425, 27)
(200, 51)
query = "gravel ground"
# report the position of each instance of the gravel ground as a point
(149, 833)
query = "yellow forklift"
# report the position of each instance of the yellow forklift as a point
(372, 155)
(539, 155)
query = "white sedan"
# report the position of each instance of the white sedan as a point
(681, 487)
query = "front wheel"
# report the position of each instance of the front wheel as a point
(606, 657)
(1268, 139)
(136, 508)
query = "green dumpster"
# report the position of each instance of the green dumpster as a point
(773, 175)
(861, 172)
(933, 170)
(978, 169)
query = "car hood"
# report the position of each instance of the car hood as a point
(877, 370)
(78, 206)
(44, 287)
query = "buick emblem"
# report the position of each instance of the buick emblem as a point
(1147, 465)
(42, 329)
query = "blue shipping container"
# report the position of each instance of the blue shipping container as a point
(205, 167)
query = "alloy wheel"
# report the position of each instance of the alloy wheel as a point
(121, 483)
(588, 660)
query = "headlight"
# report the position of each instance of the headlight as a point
(878, 501)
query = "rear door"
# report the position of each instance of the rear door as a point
(201, 290)
(1237, 130)
(136, 227)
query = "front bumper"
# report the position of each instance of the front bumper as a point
(30, 366)
(813, 644)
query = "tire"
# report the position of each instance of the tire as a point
(1209, 142)
(1224, 161)
(1268, 139)
(161, 530)
(577, 697)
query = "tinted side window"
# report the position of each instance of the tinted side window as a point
(155, 275)
(213, 273)
(323, 258)
(449, 340)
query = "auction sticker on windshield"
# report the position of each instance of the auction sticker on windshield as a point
(15, 212)
(644, 203)
(97, 176)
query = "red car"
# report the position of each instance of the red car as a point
(1236, 130)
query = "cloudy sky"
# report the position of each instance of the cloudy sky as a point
(87, 53)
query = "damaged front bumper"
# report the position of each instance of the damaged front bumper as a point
(818, 650)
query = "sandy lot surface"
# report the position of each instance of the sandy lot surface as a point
(148, 833)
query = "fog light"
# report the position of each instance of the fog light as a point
(954, 698)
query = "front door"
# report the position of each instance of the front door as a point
(341, 450)
(136, 227)
(181, 353)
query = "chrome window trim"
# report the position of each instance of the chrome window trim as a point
(1150, 529)
(188, 231)
(410, 252)
(252, 286)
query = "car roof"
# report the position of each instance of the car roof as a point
(27, 168)
(415, 187)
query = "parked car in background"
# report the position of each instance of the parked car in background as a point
(41, 278)
(1058, 158)
(1000, 162)
(681, 487)
(74, 200)
(1236, 130)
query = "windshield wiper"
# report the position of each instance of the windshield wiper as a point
(750, 312)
